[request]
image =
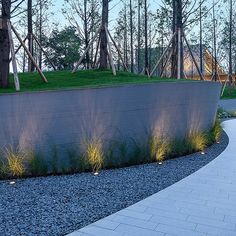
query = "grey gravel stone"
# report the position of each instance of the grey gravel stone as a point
(58, 205)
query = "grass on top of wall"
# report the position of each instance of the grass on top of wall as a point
(59, 80)
(229, 92)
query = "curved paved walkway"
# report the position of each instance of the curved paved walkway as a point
(202, 204)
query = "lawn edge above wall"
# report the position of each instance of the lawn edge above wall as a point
(131, 84)
(65, 80)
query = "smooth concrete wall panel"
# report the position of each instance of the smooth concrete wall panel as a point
(43, 119)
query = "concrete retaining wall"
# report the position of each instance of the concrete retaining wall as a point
(44, 119)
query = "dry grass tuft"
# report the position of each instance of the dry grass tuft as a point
(15, 162)
(94, 154)
(217, 131)
(197, 141)
(159, 149)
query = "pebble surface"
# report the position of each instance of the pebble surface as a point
(58, 205)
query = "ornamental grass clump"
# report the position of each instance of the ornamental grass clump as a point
(197, 142)
(232, 113)
(217, 131)
(152, 147)
(94, 154)
(37, 165)
(179, 147)
(15, 162)
(163, 150)
(76, 161)
(140, 152)
(159, 149)
(3, 169)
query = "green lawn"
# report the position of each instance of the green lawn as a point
(82, 79)
(229, 93)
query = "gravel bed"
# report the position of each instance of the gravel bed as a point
(59, 205)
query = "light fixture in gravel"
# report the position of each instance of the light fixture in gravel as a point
(203, 153)
(12, 182)
(96, 173)
(85, 194)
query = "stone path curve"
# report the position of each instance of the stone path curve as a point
(202, 204)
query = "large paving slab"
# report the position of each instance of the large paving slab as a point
(203, 204)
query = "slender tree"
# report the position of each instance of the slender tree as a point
(125, 26)
(131, 37)
(146, 37)
(230, 42)
(86, 32)
(174, 42)
(103, 45)
(180, 32)
(7, 9)
(40, 32)
(86, 18)
(4, 43)
(214, 64)
(200, 35)
(139, 34)
(30, 34)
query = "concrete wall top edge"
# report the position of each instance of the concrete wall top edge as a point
(158, 84)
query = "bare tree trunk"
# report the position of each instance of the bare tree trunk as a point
(139, 33)
(201, 45)
(24, 62)
(103, 45)
(177, 70)
(180, 73)
(4, 45)
(230, 43)
(150, 48)
(146, 36)
(212, 58)
(125, 37)
(30, 35)
(174, 43)
(86, 33)
(91, 54)
(214, 43)
(119, 64)
(131, 38)
(40, 33)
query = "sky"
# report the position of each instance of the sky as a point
(115, 7)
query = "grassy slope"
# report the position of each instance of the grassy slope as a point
(66, 80)
(229, 93)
